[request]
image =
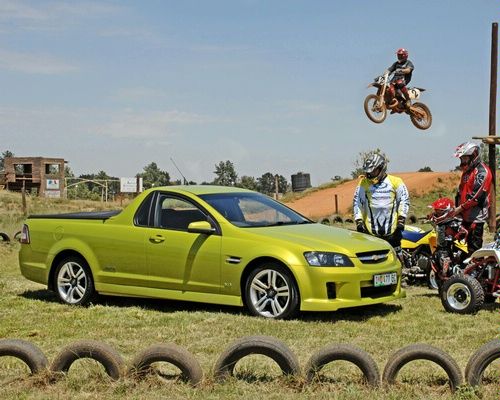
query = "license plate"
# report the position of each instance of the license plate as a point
(385, 279)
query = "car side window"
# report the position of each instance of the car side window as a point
(143, 214)
(177, 213)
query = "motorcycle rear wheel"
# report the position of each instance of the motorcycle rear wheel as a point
(420, 116)
(375, 111)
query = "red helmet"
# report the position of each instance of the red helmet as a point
(402, 54)
(442, 210)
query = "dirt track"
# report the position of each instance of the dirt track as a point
(322, 203)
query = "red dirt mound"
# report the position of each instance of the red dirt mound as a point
(322, 202)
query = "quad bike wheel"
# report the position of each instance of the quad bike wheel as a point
(420, 116)
(462, 294)
(374, 110)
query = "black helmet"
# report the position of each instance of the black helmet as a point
(375, 167)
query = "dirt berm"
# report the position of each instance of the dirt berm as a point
(321, 203)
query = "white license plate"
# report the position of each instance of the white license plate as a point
(385, 279)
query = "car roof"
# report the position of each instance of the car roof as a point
(204, 189)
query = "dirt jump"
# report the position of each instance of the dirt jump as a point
(322, 202)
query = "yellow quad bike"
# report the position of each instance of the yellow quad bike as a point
(422, 264)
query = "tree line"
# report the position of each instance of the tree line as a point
(92, 186)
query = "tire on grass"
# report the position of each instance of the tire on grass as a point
(345, 352)
(169, 352)
(101, 352)
(422, 352)
(4, 237)
(27, 352)
(264, 345)
(480, 360)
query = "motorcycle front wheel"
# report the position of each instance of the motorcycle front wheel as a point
(420, 116)
(374, 109)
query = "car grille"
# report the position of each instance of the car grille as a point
(375, 292)
(373, 257)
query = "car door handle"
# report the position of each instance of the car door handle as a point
(157, 239)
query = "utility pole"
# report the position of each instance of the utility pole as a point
(492, 123)
(492, 140)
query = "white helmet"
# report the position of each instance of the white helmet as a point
(469, 149)
(375, 167)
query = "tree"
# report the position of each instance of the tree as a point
(226, 174)
(248, 182)
(362, 156)
(154, 176)
(425, 169)
(484, 152)
(6, 153)
(267, 183)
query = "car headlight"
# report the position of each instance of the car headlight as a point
(327, 259)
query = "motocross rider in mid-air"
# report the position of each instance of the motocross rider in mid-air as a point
(402, 69)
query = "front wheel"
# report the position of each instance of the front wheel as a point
(73, 281)
(462, 294)
(375, 108)
(271, 292)
(420, 116)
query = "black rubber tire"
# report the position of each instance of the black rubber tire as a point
(4, 237)
(368, 113)
(471, 289)
(345, 352)
(27, 352)
(89, 293)
(17, 235)
(169, 352)
(480, 360)
(101, 352)
(265, 345)
(414, 119)
(422, 352)
(291, 308)
(433, 282)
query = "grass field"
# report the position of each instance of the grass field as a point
(28, 311)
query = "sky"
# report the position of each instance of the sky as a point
(273, 86)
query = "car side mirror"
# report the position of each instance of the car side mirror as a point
(201, 227)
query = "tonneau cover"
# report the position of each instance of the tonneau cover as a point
(80, 215)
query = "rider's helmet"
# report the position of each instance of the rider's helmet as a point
(402, 54)
(468, 153)
(442, 210)
(375, 167)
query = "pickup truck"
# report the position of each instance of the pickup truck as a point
(209, 244)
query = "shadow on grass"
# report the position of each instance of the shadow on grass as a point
(171, 306)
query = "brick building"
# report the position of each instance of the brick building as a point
(45, 176)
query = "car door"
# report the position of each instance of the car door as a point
(178, 259)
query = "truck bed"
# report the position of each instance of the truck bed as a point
(98, 215)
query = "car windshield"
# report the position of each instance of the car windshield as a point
(253, 210)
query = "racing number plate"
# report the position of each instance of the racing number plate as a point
(385, 279)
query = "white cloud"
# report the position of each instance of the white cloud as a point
(33, 63)
(158, 124)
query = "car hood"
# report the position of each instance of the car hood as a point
(323, 238)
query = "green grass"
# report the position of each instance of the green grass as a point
(28, 311)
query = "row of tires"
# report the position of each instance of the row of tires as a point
(5, 238)
(271, 347)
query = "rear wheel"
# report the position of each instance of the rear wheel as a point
(271, 292)
(420, 116)
(462, 294)
(73, 281)
(375, 109)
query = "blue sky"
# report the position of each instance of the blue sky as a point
(273, 86)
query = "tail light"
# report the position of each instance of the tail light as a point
(25, 235)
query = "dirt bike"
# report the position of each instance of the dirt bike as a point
(376, 105)
(424, 262)
(479, 283)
